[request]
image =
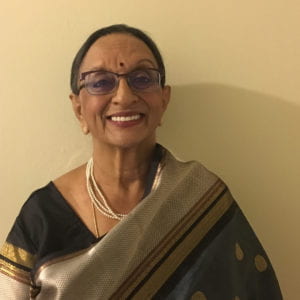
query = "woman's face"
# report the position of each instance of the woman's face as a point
(123, 118)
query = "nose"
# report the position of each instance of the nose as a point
(124, 95)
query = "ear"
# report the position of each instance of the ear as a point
(166, 93)
(77, 108)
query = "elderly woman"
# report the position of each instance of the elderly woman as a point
(134, 222)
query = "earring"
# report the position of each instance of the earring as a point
(85, 130)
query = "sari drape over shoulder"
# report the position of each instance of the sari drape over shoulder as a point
(187, 239)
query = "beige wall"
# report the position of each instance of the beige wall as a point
(234, 67)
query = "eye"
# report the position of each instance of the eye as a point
(101, 81)
(142, 79)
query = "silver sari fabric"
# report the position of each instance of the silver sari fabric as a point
(187, 239)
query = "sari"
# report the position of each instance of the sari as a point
(187, 239)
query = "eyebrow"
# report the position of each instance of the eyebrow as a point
(147, 60)
(137, 65)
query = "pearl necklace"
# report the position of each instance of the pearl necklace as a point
(101, 205)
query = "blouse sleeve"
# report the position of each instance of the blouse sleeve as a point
(17, 258)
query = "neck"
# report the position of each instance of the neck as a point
(122, 166)
(121, 174)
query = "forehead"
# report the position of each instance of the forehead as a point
(116, 50)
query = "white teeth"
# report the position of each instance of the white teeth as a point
(125, 119)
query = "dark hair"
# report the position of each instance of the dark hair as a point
(117, 28)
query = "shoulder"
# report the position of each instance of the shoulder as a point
(38, 199)
(48, 203)
(45, 212)
(31, 219)
(188, 169)
(43, 204)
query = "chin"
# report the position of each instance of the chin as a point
(128, 142)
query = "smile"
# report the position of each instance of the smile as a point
(126, 118)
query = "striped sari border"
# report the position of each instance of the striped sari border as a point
(14, 272)
(181, 252)
(17, 255)
(159, 276)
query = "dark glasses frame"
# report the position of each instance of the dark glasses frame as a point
(118, 76)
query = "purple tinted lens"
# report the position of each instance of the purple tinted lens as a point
(101, 82)
(143, 79)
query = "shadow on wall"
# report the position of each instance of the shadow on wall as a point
(251, 140)
(233, 130)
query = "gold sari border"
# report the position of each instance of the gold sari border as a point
(17, 255)
(14, 272)
(176, 233)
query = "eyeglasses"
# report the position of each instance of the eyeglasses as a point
(104, 82)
